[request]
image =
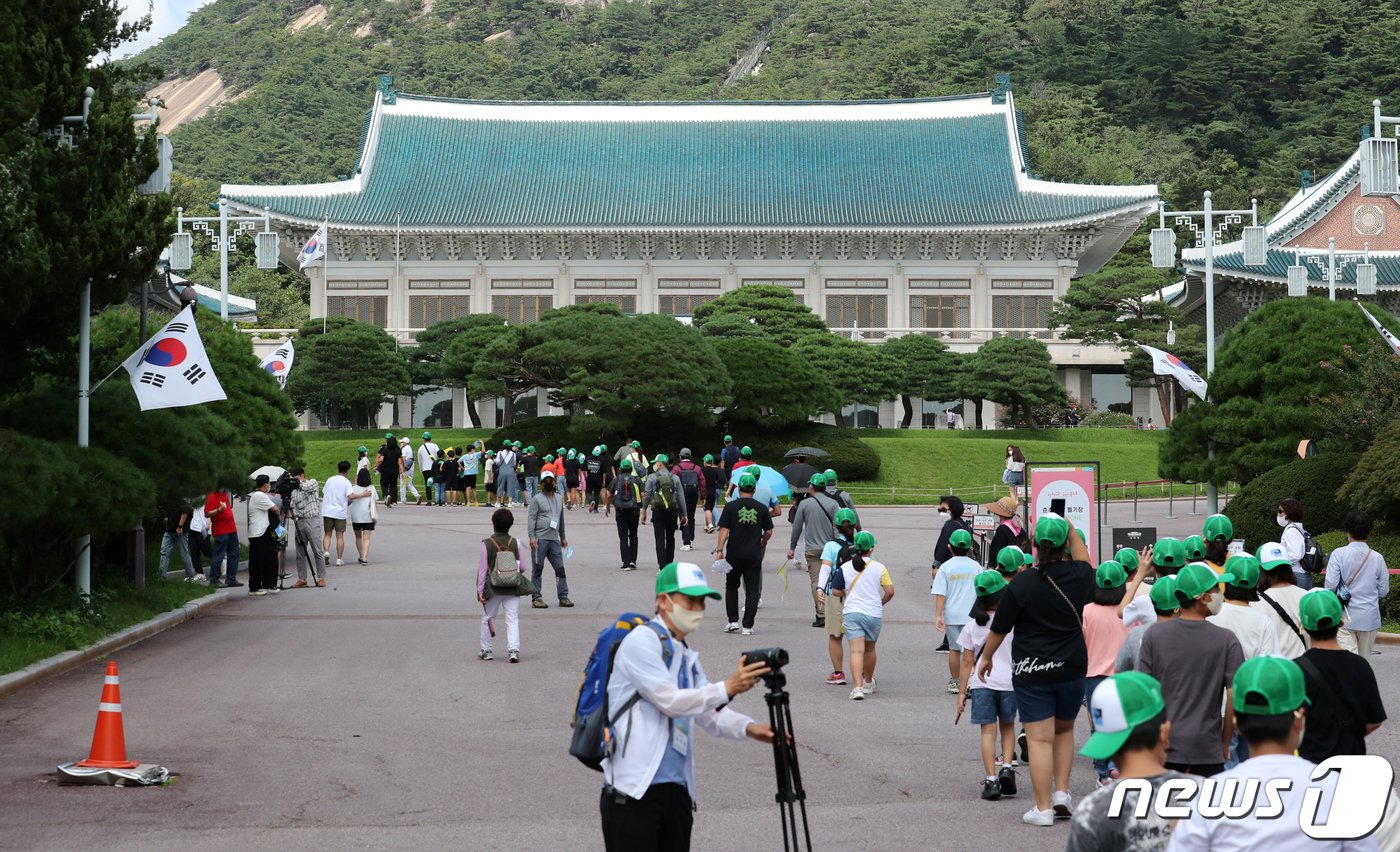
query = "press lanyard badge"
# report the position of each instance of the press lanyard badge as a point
(680, 728)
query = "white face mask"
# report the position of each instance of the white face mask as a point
(1282, 519)
(943, 513)
(1214, 604)
(686, 620)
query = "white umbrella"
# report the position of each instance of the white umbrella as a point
(271, 471)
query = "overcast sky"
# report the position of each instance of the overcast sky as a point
(167, 16)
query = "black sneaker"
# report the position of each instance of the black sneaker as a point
(991, 789)
(819, 621)
(943, 647)
(1021, 744)
(232, 584)
(1006, 778)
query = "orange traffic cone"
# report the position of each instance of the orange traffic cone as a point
(108, 741)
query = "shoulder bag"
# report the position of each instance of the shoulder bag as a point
(1344, 587)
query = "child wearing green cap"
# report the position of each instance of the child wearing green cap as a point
(1250, 626)
(1345, 700)
(1104, 634)
(1162, 596)
(953, 595)
(1270, 706)
(1194, 661)
(993, 699)
(1131, 730)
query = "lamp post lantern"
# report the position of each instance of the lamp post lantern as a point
(1213, 225)
(182, 243)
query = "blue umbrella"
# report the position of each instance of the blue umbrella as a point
(769, 479)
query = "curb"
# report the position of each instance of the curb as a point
(60, 663)
(1388, 638)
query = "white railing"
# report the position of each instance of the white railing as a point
(950, 335)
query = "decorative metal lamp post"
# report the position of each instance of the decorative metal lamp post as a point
(1214, 224)
(182, 243)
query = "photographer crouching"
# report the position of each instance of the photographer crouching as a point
(649, 793)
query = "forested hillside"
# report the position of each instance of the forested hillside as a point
(1235, 95)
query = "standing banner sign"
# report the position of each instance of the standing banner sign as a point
(1071, 489)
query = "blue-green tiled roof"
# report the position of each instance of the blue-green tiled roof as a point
(1387, 267)
(497, 173)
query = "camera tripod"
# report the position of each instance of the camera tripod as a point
(785, 762)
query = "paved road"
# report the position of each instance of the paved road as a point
(359, 716)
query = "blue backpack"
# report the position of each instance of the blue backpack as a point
(592, 723)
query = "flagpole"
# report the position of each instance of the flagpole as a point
(82, 569)
(326, 274)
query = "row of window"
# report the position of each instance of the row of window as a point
(702, 284)
(863, 311)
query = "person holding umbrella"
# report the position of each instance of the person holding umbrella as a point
(798, 473)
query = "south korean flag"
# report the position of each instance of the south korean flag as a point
(172, 370)
(279, 363)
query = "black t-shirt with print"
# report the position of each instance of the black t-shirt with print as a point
(746, 519)
(1049, 643)
(1351, 691)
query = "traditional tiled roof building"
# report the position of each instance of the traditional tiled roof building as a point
(886, 217)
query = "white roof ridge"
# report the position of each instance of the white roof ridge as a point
(693, 111)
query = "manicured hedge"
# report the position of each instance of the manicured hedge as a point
(1106, 419)
(1314, 481)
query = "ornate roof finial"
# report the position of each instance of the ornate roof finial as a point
(386, 88)
(1003, 88)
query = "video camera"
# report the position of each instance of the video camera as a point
(284, 486)
(774, 658)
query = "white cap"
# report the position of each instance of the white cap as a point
(546, 474)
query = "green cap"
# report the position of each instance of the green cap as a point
(818, 480)
(427, 436)
(989, 583)
(1052, 530)
(603, 447)
(1118, 705)
(1269, 686)
(505, 443)
(1169, 553)
(626, 464)
(844, 516)
(1320, 609)
(1272, 555)
(363, 448)
(1195, 548)
(745, 452)
(747, 482)
(549, 457)
(1128, 558)
(708, 457)
(1245, 569)
(572, 453)
(388, 436)
(517, 445)
(686, 578)
(530, 449)
(864, 543)
(636, 445)
(1110, 575)
(1163, 594)
(830, 476)
(1010, 559)
(661, 458)
(960, 540)
(1029, 559)
(1219, 528)
(560, 451)
(1196, 579)
(728, 437)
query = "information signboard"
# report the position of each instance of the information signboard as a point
(1070, 489)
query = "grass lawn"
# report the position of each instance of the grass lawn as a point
(918, 466)
(28, 640)
(324, 449)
